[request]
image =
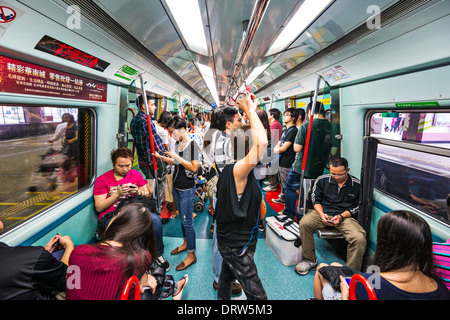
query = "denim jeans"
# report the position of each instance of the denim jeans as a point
(158, 232)
(290, 196)
(184, 200)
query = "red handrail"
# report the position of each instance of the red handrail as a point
(360, 278)
(137, 289)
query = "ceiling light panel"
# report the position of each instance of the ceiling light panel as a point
(305, 15)
(188, 17)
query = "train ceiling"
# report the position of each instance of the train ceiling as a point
(239, 36)
(212, 46)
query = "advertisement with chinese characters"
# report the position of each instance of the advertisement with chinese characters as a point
(21, 77)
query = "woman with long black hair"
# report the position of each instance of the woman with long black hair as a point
(128, 248)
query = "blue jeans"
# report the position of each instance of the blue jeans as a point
(158, 232)
(290, 196)
(184, 200)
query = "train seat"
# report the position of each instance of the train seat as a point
(329, 233)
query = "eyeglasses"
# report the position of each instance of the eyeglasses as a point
(286, 115)
(338, 175)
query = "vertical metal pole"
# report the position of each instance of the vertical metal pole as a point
(308, 136)
(152, 146)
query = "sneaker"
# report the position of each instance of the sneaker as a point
(269, 188)
(305, 266)
(277, 200)
(163, 263)
(281, 213)
(266, 183)
(235, 289)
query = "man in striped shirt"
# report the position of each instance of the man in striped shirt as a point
(335, 197)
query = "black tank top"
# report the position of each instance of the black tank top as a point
(237, 220)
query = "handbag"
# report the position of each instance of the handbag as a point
(211, 181)
(333, 273)
(163, 281)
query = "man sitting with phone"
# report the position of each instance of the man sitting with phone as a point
(118, 184)
(335, 197)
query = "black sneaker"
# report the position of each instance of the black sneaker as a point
(163, 263)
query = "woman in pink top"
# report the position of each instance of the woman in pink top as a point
(100, 271)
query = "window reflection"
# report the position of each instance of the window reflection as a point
(41, 158)
(417, 178)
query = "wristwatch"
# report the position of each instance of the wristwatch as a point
(342, 217)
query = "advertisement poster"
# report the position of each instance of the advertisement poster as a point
(21, 77)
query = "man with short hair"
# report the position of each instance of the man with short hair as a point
(220, 153)
(321, 145)
(116, 185)
(141, 138)
(335, 197)
(285, 148)
(276, 130)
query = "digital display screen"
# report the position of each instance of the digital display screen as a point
(65, 51)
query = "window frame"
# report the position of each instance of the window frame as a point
(93, 160)
(409, 145)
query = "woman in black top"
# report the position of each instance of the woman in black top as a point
(185, 158)
(237, 213)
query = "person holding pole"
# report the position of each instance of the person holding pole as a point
(147, 141)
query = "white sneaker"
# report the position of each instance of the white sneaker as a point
(269, 188)
(277, 200)
(305, 266)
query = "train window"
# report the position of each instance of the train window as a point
(413, 162)
(46, 157)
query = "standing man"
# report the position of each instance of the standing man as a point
(285, 148)
(141, 138)
(220, 153)
(335, 198)
(322, 144)
(276, 129)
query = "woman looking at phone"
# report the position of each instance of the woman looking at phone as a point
(185, 157)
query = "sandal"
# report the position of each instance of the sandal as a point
(180, 290)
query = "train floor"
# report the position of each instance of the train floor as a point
(280, 282)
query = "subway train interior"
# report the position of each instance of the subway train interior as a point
(380, 68)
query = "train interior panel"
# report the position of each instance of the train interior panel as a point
(380, 71)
